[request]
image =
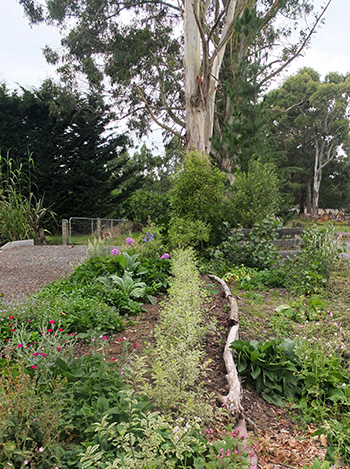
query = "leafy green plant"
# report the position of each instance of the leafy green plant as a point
(305, 309)
(21, 214)
(309, 272)
(255, 194)
(150, 440)
(249, 278)
(30, 420)
(197, 194)
(144, 205)
(174, 364)
(130, 286)
(324, 381)
(184, 232)
(338, 440)
(253, 250)
(319, 465)
(270, 366)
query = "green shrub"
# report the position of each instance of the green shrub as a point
(254, 250)
(175, 363)
(197, 192)
(184, 232)
(145, 205)
(249, 278)
(255, 194)
(30, 420)
(309, 272)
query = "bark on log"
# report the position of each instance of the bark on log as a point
(233, 400)
(231, 300)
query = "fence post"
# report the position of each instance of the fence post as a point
(65, 232)
(98, 227)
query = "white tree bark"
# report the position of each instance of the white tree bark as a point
(202, 64)
(322, 157)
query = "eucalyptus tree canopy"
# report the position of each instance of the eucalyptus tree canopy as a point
(162, 58)
(310, 122)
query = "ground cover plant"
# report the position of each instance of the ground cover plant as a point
(296, 338)
(40, 366)
(97, 403)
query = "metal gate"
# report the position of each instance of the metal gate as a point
(104, 228)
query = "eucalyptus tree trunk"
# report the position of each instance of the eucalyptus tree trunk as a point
(202, 69)
(323, 156)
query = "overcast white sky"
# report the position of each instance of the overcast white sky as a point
(22, 62)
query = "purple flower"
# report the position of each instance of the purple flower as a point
(165, 256)
(130, 241)
(115, 252)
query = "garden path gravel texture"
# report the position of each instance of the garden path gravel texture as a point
(27, 269)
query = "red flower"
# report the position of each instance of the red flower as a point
(50, 330)
(11, 317)
(58, 349)
(134, 345)
(33, 366)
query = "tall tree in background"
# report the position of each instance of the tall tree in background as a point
(310, 121)
(162, 60)
(66, 136)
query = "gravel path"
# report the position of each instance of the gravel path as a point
(26, 269)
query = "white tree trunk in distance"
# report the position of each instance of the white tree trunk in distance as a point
(202, 64)
(322, 157)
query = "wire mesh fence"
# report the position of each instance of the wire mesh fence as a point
(80, 229)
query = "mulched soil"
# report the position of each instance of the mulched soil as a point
(279, 442)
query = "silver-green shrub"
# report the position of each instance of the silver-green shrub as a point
(176, 362)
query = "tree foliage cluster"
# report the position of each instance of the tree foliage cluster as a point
(200, 68)
(77, 162)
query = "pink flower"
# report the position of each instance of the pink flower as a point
(52, 321)
(11, 317)
(115, 252)
(35, 354)
(19, 345)
(166, 255)
(130, 241)
(60, 329)
(33, 366)
(134, 345)
(49, 330)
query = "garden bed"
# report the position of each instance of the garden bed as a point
(278, 440)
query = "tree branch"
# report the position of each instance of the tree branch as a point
(303, 44)
(156, 120)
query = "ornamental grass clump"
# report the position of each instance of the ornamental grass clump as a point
(176, 362)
